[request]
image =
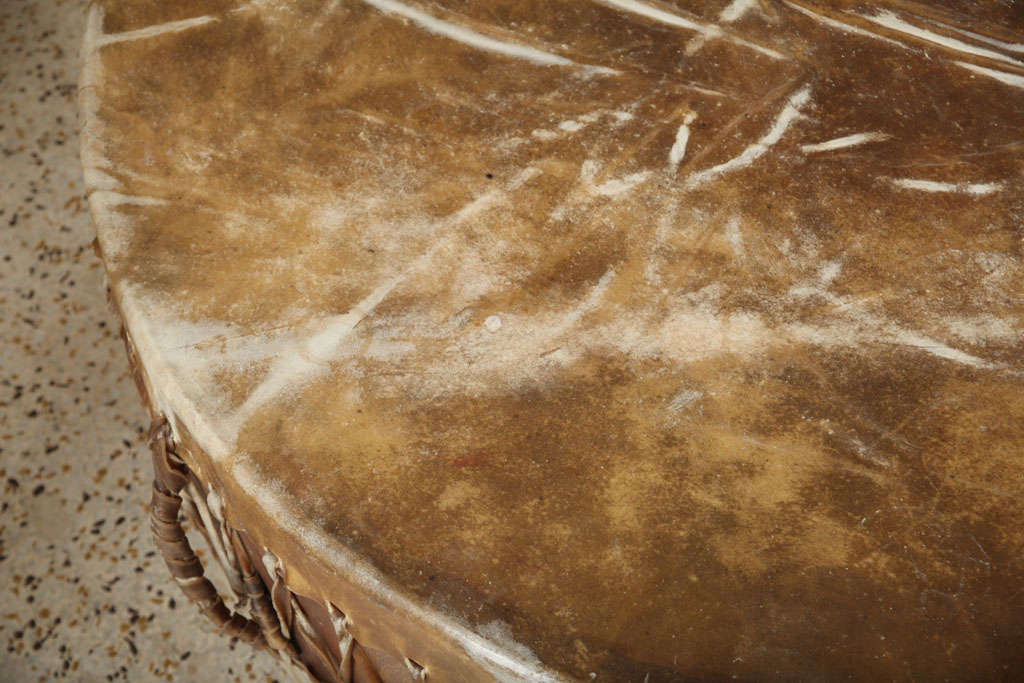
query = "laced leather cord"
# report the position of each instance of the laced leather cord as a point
(171, 476)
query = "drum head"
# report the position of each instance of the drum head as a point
(610, 338)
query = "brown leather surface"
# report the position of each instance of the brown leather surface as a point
(565, 319)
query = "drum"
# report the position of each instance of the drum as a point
(613, 340)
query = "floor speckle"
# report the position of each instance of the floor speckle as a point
(83, 595)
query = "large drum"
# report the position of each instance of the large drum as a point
(613, 340)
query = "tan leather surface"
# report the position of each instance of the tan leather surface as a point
(638, 338)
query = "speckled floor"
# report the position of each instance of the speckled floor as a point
(82, 594)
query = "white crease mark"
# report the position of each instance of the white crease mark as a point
(684, 399)
(678, 151)
(587, 305)
(150, 31)
(524, 176)
(390, 125)
(976, 189)
(843, 27)
(478, 205)
(936, 348)
(891, 21)
(1015, 80)
(617, 186)
(790, 113)
(470, 37)
(569, 126)
(868, 455)
(706, 91)
(736, 9)
(843, 142)
(313, 356)
(1002, 44)
(708, 31)
(864, 327)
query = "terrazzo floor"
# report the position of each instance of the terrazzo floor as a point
(83, 595)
